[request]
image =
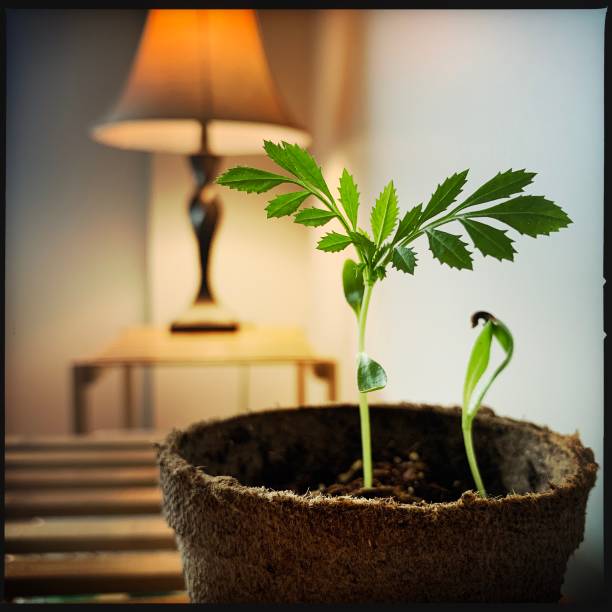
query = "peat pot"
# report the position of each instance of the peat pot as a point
(238, 493)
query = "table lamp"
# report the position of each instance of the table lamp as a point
(200, 86)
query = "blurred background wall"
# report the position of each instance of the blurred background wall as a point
(97, 238)
(76, 212)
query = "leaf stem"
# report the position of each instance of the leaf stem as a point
(466, 426)
(329, 203)
(364, 412)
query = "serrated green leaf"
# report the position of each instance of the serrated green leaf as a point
(303, 165)
(314, 216)
(349, 197)
(286, 204)
(479, 360)
(489, 240)
(444, 195)
(410, 221)
(333, 242)
(384, 214)
(364, 244)
(403, 259)
(502, 185)
(449, 249)
(250, 180)
(279, 156)
(352, 283)
(531, 215)
(370, 374)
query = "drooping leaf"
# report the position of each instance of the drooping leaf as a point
(531, 215)
(449, 249)
(445, 194)
(286, 204)
(363, 242)
(349, 197)
(370, 374)
(502, 334)
(250, 180)
(479, 360)
(403, 259)
(384, 214)
(502, 185)
(333, 242)
(352, 283)
(314, 216)
(410, 221)
(489, 240)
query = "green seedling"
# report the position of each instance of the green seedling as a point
(477, 365)
(392, 233)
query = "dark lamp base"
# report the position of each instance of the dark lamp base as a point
(205, 317)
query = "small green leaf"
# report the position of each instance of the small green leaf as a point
(349, 197)
(502, 185)
(531, 215)
(380, 272)
(363, 243)
(384, 214)
(314, 216)
(404, 259)
(479, 360)
(409, 223)
(449, 249)
(489, 240)
(370, 374)
(352, 282)
(286, 204)
(250, 180)
(333, 242)
(445, 194)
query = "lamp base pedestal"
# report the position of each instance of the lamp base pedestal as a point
(205, 317)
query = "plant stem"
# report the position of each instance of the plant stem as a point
(466, 426)
(364, 412)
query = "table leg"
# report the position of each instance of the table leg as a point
(301, 383)
(244, 389)
(129, 406)
(327, 370)
(81, 377)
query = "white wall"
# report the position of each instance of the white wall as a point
(75, 211)
(490, 90)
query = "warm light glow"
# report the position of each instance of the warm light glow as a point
(198, 68)
(184, 136)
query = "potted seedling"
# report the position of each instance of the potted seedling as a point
(376, 503)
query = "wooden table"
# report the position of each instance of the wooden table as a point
(150, 346)
(83, 522)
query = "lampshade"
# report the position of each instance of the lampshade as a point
(199, 84)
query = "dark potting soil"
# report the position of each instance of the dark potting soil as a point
(405, 477)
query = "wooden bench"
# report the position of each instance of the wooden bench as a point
(83, 522)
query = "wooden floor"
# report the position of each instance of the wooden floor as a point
(83, 522)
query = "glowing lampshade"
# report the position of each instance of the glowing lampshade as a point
(199, 84)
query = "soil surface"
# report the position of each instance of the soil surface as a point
(405, 477)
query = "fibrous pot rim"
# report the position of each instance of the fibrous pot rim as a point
(168, 456)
